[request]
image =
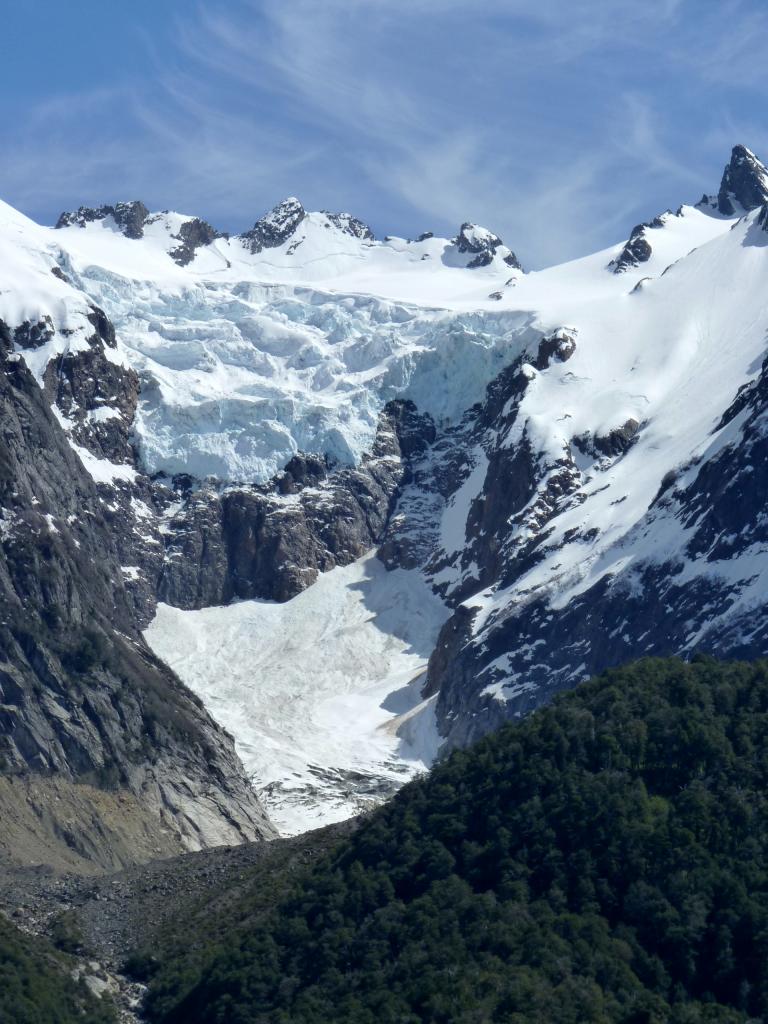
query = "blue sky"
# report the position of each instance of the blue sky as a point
(558, 124)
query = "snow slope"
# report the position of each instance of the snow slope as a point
(322, 693)
(670, 356)
(29, 291)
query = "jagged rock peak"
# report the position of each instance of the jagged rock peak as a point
(637, 249)
(275, 227)
(193, 235)
(745, 181)
(129, 217)
(280, 224)
(484, 245)
(350, 225)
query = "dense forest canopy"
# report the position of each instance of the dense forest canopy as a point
(36, 986)
(605, 860)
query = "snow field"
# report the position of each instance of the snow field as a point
(321, 693)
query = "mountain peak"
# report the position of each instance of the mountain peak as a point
(745, 181)
(350, 225)
(130, 217)
(275, 227)
(483, 245)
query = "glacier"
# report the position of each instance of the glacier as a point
(322, 692)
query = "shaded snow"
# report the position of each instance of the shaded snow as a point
(321, 693)
(454, 518)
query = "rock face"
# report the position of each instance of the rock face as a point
(82, 699)
(271, 541)
(97, 396)
(350, 225)
(744, 183)
(193, 235)
(276, 227)
(486, 669)
(483, 245)
(129, 217)
(654, 609)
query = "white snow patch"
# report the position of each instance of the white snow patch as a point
(102, 470)
(315, 691)
(103, 413)
(454, 521)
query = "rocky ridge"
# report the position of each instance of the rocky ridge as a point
(482, 245)
(283, 228)
(129, 217)
(743, 187)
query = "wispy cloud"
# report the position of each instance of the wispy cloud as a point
(557, 123)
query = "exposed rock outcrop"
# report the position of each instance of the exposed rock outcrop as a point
(271, 541)
(745, 182)
(350, 225)
(616, 442)
(638, 248)
(275, 227)
(82, 699)
(193, 234)
(130, 218)
(483, 245)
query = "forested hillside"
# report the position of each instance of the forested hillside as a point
(36, 986)
(605, 860)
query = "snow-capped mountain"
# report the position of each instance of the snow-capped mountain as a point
(561, 470)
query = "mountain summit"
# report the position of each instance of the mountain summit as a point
(275, 227)
(745, 182)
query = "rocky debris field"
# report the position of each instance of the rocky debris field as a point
(103, 920)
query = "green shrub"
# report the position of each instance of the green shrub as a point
(605, 860)
(36, 986)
